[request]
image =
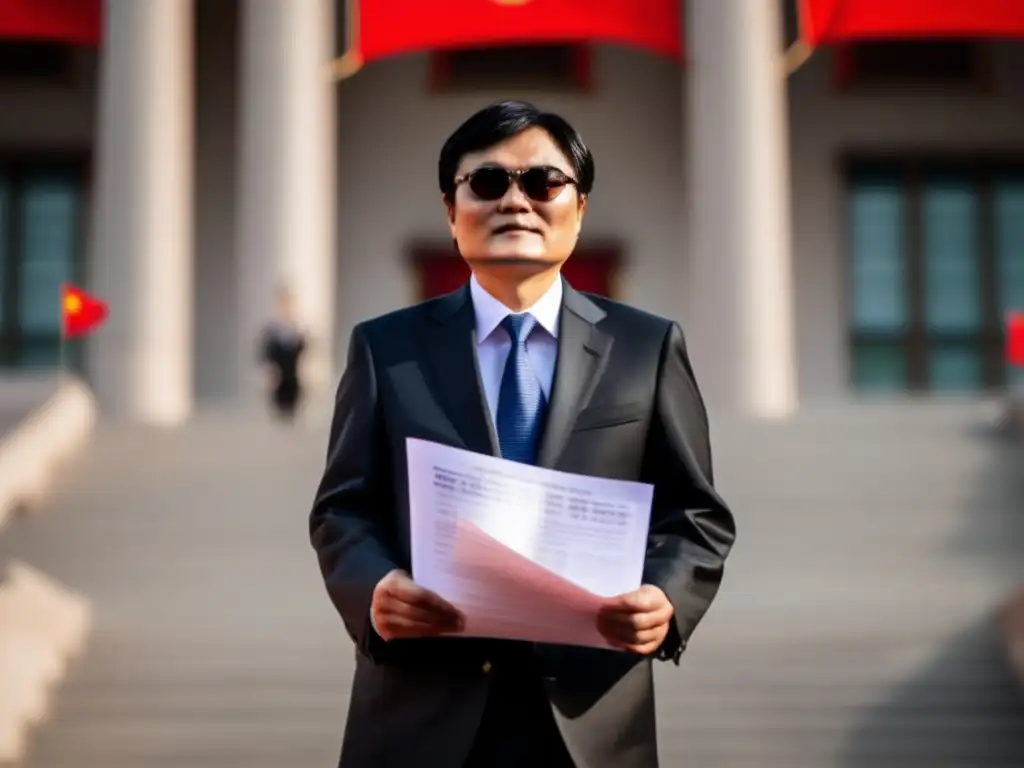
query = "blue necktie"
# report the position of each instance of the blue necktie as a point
(520, 400)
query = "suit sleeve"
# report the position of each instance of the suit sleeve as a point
(351, 525)
(692, 529)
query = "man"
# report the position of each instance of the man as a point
(515, 364)
(281, 348)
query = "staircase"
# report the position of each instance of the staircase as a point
(213, 642)
(855, 627)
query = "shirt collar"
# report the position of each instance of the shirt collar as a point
(490, 312)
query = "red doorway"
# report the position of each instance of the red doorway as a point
(440, 270)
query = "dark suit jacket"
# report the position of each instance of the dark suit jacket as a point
(624, 405)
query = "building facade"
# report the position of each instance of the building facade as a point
(855, 228)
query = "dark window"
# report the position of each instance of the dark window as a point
(941, 62)
(513, 67)
(34, 62)
(936, 263)
(40, 234)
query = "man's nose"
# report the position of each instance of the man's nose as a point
(514, 199)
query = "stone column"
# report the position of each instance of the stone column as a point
(141, 361)
(741, 324)
(287, 177)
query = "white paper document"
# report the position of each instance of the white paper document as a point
(526, 553)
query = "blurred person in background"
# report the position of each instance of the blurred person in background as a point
(281, 348)
(515, 364)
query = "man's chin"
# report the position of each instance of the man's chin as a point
(514, 261)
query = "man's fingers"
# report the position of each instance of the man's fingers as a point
(433, 602)
(640, 646)
(644, 650)
(418, 614)
(396, 627)
(644, 600)
(637, 621)
(640, 621)
(403, 609)
(626, 635)
(407, 591)
(404, 589)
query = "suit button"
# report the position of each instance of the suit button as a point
(486, 668)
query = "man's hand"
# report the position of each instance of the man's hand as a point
(636, 621)
(401, 608)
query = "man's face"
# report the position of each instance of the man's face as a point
(517, 230)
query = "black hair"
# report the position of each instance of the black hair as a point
(503, 120)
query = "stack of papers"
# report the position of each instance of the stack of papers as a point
(526, 553)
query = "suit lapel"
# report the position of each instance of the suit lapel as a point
(582, 357)
(456, 371)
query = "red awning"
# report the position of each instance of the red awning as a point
(389, 27)
(79, 22)
(837, 21)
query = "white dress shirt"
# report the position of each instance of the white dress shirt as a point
(494, 343)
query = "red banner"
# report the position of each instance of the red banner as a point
(82, 313)
(1015, 338)
(79, 22)
(836, 21)
(390, 27)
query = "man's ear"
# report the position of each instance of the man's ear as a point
(582, 211)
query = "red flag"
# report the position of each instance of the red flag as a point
(1015, 338)
(836, 21)
(69, 21)
(82, 313)
(390, 27)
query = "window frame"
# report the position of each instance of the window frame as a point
(848, 80)
(986, 170)
(16, 168)
(72, 74)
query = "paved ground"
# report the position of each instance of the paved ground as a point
(855, 628)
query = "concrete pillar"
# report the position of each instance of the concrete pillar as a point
(141, 361)
(287, 177)
(741, 325)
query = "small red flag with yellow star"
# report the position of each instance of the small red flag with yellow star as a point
(82, 313)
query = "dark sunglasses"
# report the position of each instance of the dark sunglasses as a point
(541, 183)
